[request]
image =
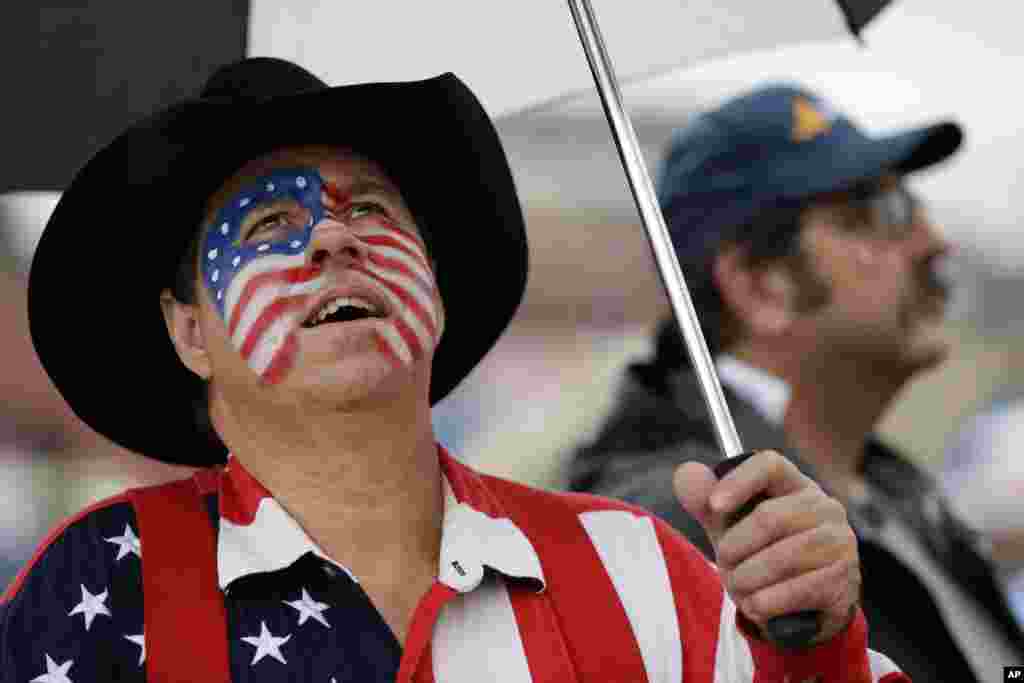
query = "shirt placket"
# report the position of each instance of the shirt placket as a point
(414, 666)
(544, 646)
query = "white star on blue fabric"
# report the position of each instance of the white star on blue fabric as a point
(55, 673)
(308, 607)
(126, 544)
(139, 640)
(90, 606)
(267, 644)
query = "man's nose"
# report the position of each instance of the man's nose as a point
(924, 239)
(929, 241)
(333, 242)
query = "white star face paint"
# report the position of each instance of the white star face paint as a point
(257, 270)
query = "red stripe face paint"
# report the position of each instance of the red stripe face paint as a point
(403, 278)
(257, 271)
(396, 265)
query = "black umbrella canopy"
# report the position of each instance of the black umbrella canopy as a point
(78, 72)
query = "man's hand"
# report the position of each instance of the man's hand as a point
(795, 551)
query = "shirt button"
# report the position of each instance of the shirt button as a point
(463, 575)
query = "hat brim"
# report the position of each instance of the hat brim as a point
(120, 229)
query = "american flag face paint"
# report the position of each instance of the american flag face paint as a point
(263, 288)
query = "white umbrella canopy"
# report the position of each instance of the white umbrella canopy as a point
(516, 55)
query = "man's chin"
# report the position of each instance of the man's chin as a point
(930, 345)
(367, 380)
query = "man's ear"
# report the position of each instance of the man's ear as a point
(440, 300)
(186, 333)
(762, 298)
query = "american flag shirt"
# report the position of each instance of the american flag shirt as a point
(531, 586)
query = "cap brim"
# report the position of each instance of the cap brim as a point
(917, 149)
(120, 229)
(862, 158)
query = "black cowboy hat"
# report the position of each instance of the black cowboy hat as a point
(120, 230)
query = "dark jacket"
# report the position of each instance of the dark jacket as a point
(659, 422)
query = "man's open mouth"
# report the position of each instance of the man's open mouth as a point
(343, 309)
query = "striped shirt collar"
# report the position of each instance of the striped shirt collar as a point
(258, 535)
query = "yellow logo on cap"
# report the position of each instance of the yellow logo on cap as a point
(808, 122)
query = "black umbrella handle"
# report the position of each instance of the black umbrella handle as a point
(789, 631)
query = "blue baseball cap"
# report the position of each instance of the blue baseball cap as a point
(776, 145)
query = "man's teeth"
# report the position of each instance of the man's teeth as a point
(334, 304)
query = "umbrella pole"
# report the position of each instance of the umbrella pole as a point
(790, 631)
(654, 222)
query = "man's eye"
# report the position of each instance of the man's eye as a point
(268, 222)
(361, 209)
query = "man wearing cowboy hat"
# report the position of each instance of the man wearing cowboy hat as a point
(328, 263)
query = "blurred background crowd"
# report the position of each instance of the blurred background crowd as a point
(594, 295)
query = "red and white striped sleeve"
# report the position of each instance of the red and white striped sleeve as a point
(711, 633)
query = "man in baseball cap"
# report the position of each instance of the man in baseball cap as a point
(293, 274)
(812, 267)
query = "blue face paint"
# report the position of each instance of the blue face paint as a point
(225, 253)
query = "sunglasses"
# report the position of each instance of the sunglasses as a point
(892, 210)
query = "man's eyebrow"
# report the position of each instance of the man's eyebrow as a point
(269, 202)
(249, 187)
(373, 186)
